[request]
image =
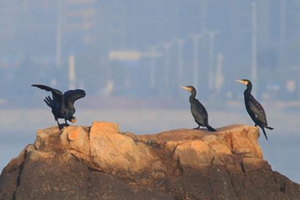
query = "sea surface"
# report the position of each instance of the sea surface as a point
(282, 150)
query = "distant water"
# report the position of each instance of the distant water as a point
(12, 143)
(281, 151)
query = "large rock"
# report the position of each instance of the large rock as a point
(99, 162)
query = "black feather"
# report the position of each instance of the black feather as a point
(254, 109)
(62, 105)
(198, 110)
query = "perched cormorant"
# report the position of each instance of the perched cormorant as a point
(62, 105)
(198, 110)
(254, 109)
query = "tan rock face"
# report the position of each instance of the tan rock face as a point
(111, 150)
(194, 154)
(104, 148)
(211, 149)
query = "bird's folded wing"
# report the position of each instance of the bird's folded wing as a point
(258, 110)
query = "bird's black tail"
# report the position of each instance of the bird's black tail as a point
(210, 128)
(264, 132)
(270, 128)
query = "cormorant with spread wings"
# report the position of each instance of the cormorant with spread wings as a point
(62, 105)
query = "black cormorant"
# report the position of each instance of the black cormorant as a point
(62, 105)
(254, 109)
(198, 110)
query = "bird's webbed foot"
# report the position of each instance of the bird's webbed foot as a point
(61, 126)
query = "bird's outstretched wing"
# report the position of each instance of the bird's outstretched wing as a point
(73, 95)
(57, 95)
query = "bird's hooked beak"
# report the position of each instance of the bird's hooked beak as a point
(73, 120)
(186, 88)
(242, 82)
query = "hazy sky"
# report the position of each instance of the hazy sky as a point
(149, 48)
